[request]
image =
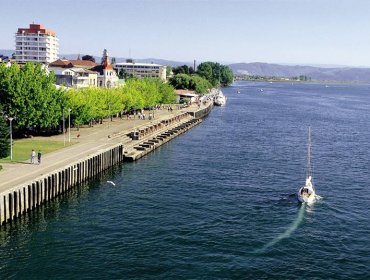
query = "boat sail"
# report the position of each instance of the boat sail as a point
(307, 192)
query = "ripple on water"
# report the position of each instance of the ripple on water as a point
(219, 201)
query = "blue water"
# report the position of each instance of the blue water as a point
(218, 202)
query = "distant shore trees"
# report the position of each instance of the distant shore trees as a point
(208, 75)
(301, 78)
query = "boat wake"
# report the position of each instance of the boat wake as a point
(287, 232)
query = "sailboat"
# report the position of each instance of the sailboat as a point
(306, 194)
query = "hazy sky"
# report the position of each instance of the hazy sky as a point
(275, 31)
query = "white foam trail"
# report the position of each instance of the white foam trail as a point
(286, 233)
(110, 182)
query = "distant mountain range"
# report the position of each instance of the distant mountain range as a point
(118, 59)
(335, 74)
(7, 52)
(342, 74)
(141, 60)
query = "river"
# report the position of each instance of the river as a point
(219, 202)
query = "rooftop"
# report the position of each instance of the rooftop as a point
(36, 28)
(138, 64)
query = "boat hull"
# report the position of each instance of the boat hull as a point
(305, 197)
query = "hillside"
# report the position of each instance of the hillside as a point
(141, 60)
(336, 74)
(344, 74)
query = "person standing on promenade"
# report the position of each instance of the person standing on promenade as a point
(39, 156)
(33, 154)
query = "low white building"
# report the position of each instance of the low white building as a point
(75, 77)
(142, 70)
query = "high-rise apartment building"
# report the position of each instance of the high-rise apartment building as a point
(36, 44)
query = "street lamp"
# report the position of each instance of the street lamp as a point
(69, 125)
(64, 130)
(11, 138)
(110, 116)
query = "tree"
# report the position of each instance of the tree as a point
(216, 73)
(190, 82)
(29, 93)
(98, 103)
(4, 138)
(169, 72)
(88, 57)
(205, 71)
(227, 76)
(180, 81)
(184, 69)
(199, 85)
(122, 74)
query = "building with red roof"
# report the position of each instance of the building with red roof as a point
(36, 44)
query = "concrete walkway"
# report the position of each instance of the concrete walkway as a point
(91, 140)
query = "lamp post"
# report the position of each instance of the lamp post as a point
(11, 138)
(69, 125)
(110, 117)
(64, 130)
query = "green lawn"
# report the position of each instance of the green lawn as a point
(22, 148)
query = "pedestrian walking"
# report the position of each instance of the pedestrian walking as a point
(33, 155)
(39, 156)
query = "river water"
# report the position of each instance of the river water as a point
(219, 202)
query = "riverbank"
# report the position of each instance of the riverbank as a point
(25, 186)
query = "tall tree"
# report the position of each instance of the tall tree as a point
(168, 71)
(88, 57)
(216, 73)
(184, 69)
(190, 82)
(205, 70)
(227, 76)
(29, 93)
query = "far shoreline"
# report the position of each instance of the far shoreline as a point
(319, 82)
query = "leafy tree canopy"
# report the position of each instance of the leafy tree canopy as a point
(216, 73)
(184, 69)
(191, 82)
(29, 94)
(88, 57)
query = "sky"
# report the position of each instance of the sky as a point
(310, 32)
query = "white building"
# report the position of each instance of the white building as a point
(107, 77)
(142, 70)
(75, 77)
(36, 44)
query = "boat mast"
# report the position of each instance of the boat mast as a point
(309, 168)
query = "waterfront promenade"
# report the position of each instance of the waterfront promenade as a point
(90, 140)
